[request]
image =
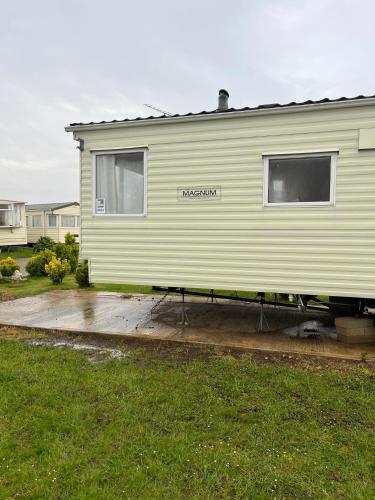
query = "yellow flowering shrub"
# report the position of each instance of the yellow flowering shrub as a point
(56, 269)
(8, 266)
(37, 263)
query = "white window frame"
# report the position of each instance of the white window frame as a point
(102, 152)
(332, 193)
(41, 221)
(9, 209)
(68, 227)
(57, 221)
(12, 208)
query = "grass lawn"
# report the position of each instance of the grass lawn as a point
(151, 426)
(34, 286)
(17, 252)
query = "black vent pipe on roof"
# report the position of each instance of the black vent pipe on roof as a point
(223, 100)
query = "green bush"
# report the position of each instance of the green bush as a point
(8, 266)
(56, 270)
(68, 252)
(69, 239)
(82, 275)
(44, 242)
(37, 263)
(60, 250)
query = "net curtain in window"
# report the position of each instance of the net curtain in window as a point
(120, 181)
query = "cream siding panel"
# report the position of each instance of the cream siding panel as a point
(56, 233)
(366, 138)
(72, 210)
(34, 233)
(15, 235)
(236, 243)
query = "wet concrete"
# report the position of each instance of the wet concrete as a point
(226, 323)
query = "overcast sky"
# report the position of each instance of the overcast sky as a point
(82, 60)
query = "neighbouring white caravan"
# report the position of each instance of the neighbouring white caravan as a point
(12, 223)
(276, 198)
(53, 220)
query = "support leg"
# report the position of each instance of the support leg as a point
(184, 317)
(263, 324)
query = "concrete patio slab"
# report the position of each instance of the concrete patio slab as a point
(226, 323)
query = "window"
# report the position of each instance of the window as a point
(36, 221)
(10, 215)
(6, 215)
(120, 183)
(300, 180)
(52, 220)
(68, 221)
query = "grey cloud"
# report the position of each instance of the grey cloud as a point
(86, 60)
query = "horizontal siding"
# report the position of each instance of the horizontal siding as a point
(33, 234)
(72, 210)
(16, 235)
(235, 242)
(56, 233)
(60, 234)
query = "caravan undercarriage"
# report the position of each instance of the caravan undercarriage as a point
(339, 306)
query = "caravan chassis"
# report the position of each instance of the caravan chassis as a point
(337, 305)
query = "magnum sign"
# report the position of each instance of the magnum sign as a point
(202, 193)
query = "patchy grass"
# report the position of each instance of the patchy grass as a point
(123, 288)
(16, 252)
(148, 427)
(34, 286)
(37, 285)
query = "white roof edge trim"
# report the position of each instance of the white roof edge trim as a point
(14, 202)
(28, 209)
(227, 115)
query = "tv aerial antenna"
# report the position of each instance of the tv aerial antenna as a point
(158, 109)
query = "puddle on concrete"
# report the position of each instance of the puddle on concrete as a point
(95, 353)
(311, 329)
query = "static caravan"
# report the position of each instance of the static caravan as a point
(274, 198)
(12, 223)
(53, 220)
